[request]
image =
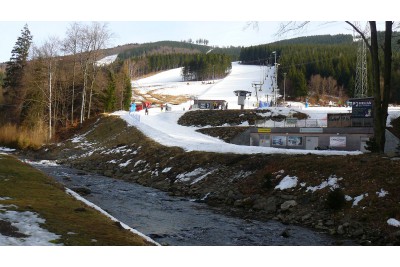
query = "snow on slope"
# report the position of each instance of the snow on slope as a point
(241, 78)
(106, 60)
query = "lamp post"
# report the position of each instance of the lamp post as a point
(276, 80)
(284, 87)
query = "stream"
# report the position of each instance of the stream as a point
(179, 221)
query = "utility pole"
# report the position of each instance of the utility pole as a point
(276, 81)
(284, 87)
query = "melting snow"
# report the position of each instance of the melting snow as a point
(28, 223)
(122, 165)
(358, 199)
(382, 193)
(331, 182)
(393, 222)
(166, 170)
(287, 182)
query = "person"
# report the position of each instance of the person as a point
(146, 111)
(162, 107)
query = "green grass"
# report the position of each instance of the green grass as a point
(31, 190)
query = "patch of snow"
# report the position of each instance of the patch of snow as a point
(393, 222)
(202, 177)
(106, 60)
(42, 162)
(122, 165)
(5, 198)
(28, 223)
(139, 162)
(184, 177)
(77, 139)
(240, 175)
(331, 182)
(287, 182)
(357, 199)
(6, 149)
(382, 193)
(166, 170)
(348, 198)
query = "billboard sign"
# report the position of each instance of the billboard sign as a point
(361, 107)
(337, 141)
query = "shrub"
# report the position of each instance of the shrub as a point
(336, 199)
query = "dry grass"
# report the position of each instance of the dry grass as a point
(19, 137)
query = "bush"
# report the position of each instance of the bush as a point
(336, 199)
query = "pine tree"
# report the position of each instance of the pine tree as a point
(14, 91)
(109, 97)
(127, 93)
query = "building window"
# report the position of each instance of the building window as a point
(295, 141)
(279, 140)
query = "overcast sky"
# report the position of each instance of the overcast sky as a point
(174, 20)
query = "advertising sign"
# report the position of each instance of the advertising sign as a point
(337, 141)
(279, 140)
(294, 141)
(361, 108)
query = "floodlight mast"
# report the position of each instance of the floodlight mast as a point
(275, 89)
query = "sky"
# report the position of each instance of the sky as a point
(175, 20)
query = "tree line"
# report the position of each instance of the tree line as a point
(60, 83)
(206, 67)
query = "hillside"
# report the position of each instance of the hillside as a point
(247, 185)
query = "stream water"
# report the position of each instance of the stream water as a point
(178, 221)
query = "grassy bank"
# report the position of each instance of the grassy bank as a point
(76, 224)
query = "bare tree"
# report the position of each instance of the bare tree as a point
(49, 52)
(100, 37)
(92, 39)
(70, 46)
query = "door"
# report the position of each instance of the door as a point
(311, 142)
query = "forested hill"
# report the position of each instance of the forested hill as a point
(319, 39)
(163, 47)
